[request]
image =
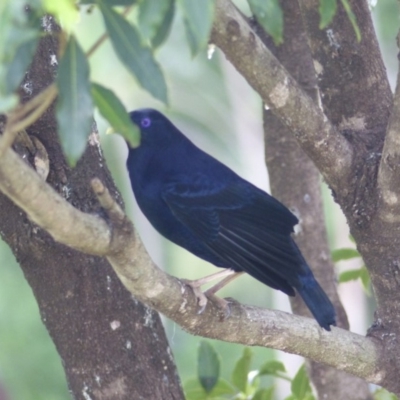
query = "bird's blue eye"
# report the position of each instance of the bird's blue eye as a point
(145, 122)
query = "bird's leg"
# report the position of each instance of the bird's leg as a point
(224, 282)
(211, 292)
(198, 283)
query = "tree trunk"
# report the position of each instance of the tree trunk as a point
(111, 345)
(296, 182)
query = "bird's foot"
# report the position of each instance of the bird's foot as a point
(198, 283)
(200, 296)
(222, 304)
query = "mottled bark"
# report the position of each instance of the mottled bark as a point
(245, 50)
(111, 346)
(296, 182)
(356, 98)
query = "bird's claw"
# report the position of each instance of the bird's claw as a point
(222, 304)
(202, 299)
(200, 296)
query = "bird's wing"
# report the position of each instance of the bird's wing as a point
(242, 225)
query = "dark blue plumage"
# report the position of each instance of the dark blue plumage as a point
(200, 204)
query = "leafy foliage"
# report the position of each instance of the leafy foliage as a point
(383, 394)
(74, 106)
(113, 111)
(18, 39)
(163, 30)
(64, 10)
(208, 366)
(352, 18)
(152, 14)
(300, 386)
(111, 3)
(352, 274)
(137, 57)
(198, 18)
(241, 370)
(245, 383)
(328, 9)
(270, 16)
(133, 45)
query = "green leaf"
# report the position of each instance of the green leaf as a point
(264, 394)
(8, 102)
(136, 57)
(274, 368)
(344, 254)
(190, 38)
(208, 366)
(165, 28)
(269, 15)
(111, 3)
(16, 31)
(198, 18)
(223, 387)
(242, 369)
(195, 391)
(327, 10)
(352, 19)
(74, 105)
(350, 275)
(65, 11)
(301, 384)
(383, 394)
(19, 65)
(366, 280)
(151, 16)
(114, 112)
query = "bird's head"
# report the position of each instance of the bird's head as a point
(155, 128)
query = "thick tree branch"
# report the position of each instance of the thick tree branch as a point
(296, 182)
(356, 97)
(352, 78)
(327, 148)
(84, 232)
(389, 172)
(247, 325)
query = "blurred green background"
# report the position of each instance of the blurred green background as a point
(215, 107)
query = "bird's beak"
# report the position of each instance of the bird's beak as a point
(131, 136)
(110, 131)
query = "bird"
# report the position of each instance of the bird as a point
(198, 203)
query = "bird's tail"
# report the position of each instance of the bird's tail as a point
(317, 301)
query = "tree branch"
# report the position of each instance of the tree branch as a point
(247, 325)
(44, 206)
(319, 139)
(295, 181)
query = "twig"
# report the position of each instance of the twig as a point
(113, 210)
(24, 109)
(96, 44)
(26, 115)
(104, 36)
